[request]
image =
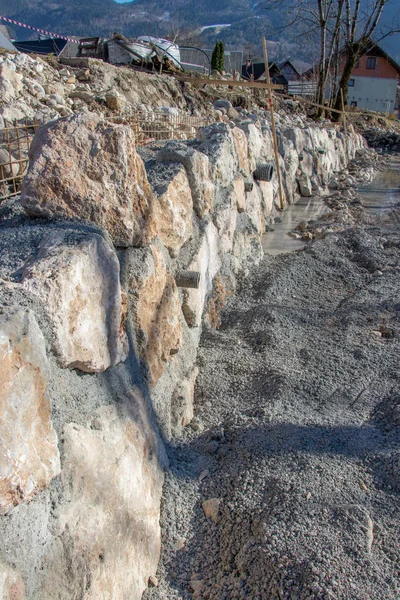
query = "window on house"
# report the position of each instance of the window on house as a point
(371, 62)
(357, 65)
(353, 104)
(351, 83)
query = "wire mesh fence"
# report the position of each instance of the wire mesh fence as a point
(159, 125)
(15, 141)
(153, 126)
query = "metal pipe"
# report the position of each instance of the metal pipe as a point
(188, 279)
(264, 172)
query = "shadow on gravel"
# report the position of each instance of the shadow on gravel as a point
(261, 475)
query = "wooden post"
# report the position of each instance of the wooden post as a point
(271, 108)
(346, 139)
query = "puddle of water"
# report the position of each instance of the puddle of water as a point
(379, 197)
(383, 193)
(278, 241)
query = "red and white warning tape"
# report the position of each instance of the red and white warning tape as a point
(55, 35)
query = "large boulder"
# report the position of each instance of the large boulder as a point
(206, 261)
(217, 142)
(238, 193)
(198, 170)
(255, 142)
(224, 218)
(87, 169)
(267, 191)
(171, 186)
(305, 186)
(29, 456)
(247, 249)
(242, 149)
(256, 201)
(108, 540)
(156, 309)
(76, 276)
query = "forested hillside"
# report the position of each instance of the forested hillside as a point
(247, 21)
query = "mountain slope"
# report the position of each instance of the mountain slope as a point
(247, 21)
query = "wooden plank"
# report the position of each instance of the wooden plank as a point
(271, 108)
(225, 82)
(329, 109)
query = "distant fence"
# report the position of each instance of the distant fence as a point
(305, 89)
(199, 59)
(159, 125)
(15, 141)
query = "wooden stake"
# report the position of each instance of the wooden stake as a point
(271, 108)
(346, 139)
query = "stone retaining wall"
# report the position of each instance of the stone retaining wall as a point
(100, 343)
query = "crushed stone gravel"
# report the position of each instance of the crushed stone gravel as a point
(296, 433)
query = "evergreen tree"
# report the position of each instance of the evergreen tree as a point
(221, 57)
(215, 58)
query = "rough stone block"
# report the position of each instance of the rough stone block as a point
(11, 584)
(156, 309)
(87, 169)
(198, 170)
(171, 186)
(254, 142)
(267, 190)
(10, 84)
(254, 209)
(242, 149)
(219, 145)
(207, 261)
(77, 277)
(247, 249)
(108, 536)
(29, 456)
(305, 186)
(224, 218)
(239, 194)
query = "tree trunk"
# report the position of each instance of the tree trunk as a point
(322, 68)
(352, 56)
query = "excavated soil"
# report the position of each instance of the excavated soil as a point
(296, 434)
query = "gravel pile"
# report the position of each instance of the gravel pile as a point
(381, 138)
(295, 441)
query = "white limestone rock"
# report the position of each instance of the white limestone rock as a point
(87, 169)
(107, 542)
(77, 278)
(182, 402)
(198, 171)
(29, 456)
(171, 187)
(206, 261)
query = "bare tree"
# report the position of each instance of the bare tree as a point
(183, 35)
(361, 23)
(350, 24)
(315, 18)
